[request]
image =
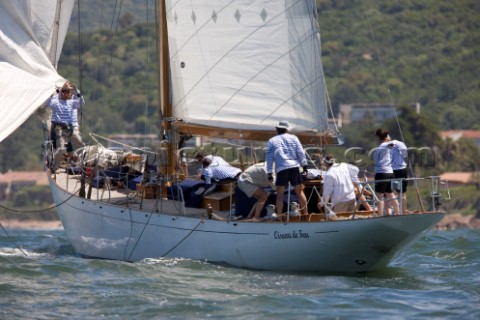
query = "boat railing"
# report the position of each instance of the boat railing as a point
(432, 183)
(422, 192)
(396, 185)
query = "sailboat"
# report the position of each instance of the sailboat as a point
(229, 70)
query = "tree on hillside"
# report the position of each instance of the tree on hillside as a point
(415, 129)
(466, 158)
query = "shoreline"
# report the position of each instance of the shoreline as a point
(450, 222)
(32, 224)
(455, 221)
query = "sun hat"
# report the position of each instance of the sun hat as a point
(283, 124)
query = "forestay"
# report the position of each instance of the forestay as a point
(246, 64)
(31, 39)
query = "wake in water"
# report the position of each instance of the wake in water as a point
(38, 246)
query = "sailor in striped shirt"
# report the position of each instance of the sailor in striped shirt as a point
(286, 151)
(217, 172)
(64, 105)
(214, 161)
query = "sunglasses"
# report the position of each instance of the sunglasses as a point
(66, 91)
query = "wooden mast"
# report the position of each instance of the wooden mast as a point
(168, 152)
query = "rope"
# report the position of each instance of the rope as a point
(14, 242)
(129, 236)
(141, 233)
(93, 135)
(175, 246)
(43, 210)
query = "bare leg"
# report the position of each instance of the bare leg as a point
(302, 199)
(363, 201)
(404, 204)
(262, 197)
(320, 207)
(252, 211)
(279, 202)
(380, 203)
(391, 200)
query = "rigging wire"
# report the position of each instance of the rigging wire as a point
(382, 68)
(80, 60)
(95, 135)
(146, 86)
(95, 79)
(115, 34)
(326, 97)
(409, 163)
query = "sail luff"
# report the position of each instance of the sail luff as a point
(52, 52)
(27, 62)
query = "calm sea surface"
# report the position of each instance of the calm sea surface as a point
(437, 278)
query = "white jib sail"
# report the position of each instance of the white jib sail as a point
(246, 64)
(31, 39)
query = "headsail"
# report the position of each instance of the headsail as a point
(31, 39)
(246, 64)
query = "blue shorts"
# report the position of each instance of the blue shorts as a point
(291, 175)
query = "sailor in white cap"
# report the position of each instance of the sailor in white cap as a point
(286, 151)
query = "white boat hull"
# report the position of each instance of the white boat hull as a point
(102, 230)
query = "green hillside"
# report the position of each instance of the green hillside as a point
(428, 50)
(424, 51)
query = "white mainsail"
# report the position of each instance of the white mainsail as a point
(246, 64)
(31, 39)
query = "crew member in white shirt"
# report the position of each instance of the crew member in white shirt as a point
(382, 160)
(339, 186)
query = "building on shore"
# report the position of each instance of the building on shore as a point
(455, 135)
(15, 180)
(358, 112)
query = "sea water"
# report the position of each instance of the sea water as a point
(42, 278)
